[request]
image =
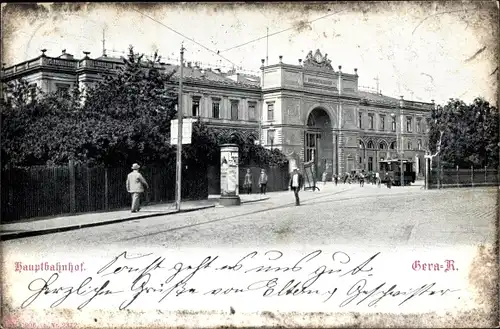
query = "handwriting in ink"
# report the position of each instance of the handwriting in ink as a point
(47, 287)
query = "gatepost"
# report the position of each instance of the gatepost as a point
(229, 176)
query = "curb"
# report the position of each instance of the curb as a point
(250, 201)
(26, 234)
(31, 233)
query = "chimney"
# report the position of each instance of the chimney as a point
(356, 72)
(340, 68)
(300, 61)
(281, 59)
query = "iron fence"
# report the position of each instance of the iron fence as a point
(460, 177)
(42, 191)
(277, 178)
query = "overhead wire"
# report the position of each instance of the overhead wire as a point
(278, 32)
(184, 36)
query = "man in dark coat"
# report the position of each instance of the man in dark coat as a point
(296, 183)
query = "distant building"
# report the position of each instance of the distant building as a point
(309, 110)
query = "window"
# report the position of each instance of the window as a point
(234, 110)
(410, 146)
(215, 108)
(419, 127)
(251, 111)
(393, 145)
(382, 146)
(62, 88)
(393, 124)
(195, 108)
(419, 144)
(310, 146)
(382, 122)
(270, 137)
(360, 119)
(370, 120)
(408, 124)
(370, 145)
(32, 89)
(370, 163)
(270, 111)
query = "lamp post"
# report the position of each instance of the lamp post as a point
(399, 147)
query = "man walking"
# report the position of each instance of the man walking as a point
(136, 184)
(296, 182)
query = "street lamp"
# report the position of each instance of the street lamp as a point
(399, 148)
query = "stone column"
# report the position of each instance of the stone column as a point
(229, 175)
(335, 168)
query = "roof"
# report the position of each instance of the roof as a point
(378, 98)
(199, 74)
(110, 59)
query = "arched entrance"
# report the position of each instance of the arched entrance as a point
(318, 141)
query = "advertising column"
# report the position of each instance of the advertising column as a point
(229, 176)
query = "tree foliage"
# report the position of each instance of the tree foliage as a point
(125, 118)
(470, 133)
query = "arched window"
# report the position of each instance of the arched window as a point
(370, 145)
(393, 145)
(410, 146)
(382, 146)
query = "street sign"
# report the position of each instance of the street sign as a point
(187, 131)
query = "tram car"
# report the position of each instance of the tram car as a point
(392, 168)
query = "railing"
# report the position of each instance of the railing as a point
(41, 191)
(459, 177)
(92, 63)
(60, 63)
(418, 105)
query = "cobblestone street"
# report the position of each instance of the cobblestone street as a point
(346, 214)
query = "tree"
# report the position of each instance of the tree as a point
(469, 133)
(132, 110)
(124, 118)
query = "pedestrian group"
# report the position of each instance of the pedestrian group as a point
(137, 185)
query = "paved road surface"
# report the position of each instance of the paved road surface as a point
(347, 214)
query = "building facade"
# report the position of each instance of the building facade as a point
(309, 111)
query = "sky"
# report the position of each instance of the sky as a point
(419, 50)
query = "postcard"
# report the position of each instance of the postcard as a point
(208, 165)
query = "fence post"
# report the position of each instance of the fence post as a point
(441, 175)
(472, 176)
(72, 186)
(458, 185)
(485, 182)
(106, 189)
(88, 188)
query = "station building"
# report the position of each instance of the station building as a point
(308, 110)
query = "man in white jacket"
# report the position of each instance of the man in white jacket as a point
(135, 186)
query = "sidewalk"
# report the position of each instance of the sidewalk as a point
(67, 223)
